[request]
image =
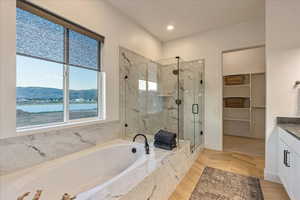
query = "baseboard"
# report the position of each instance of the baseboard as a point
(270, 176)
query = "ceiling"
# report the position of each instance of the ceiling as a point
(188, 16)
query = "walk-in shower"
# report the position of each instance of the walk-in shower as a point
(165, 94)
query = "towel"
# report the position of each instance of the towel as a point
(165, 137)
(165, 140)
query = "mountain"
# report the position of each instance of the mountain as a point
(84, 94)
(42, 93)
(39, 93)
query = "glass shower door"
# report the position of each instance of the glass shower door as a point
(198, 106)
(194, 103)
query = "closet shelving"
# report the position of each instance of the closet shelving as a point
(244, 105)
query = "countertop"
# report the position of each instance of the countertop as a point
(290, 125)
(293, 129)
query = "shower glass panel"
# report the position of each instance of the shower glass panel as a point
(141, 107)
(134, 83)
(154, 95)
(194, 102)
(171, 89)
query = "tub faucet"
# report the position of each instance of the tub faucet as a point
(146, 142)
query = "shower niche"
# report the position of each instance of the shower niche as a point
(165, 94)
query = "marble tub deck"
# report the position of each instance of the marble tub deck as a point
(156, 178)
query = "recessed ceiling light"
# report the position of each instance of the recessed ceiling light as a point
(170, 27)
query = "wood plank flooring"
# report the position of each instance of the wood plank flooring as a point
(245, 145)
(229, 161)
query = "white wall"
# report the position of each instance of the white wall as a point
(7, 67)
(96, 15)
(209, 46)
(283, 69)
(244, 61)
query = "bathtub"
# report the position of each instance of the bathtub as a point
(94, 174)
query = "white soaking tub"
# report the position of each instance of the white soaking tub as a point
(89, 174)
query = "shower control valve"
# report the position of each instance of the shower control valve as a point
(178, 101)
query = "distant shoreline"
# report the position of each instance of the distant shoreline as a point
(27, 119)
(25, 112)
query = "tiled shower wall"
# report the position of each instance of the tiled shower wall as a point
(148, 91)
(135, 111)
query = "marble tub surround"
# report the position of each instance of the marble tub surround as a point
(28, 150)
(171, 167)
(290, 124)
(152, 176)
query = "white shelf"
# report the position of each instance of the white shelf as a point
(236, 108)
(246, 97)
(234, 86)
(240, 120)
(164, 95)
(259, 107)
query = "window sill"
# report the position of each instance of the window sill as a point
(61, 126)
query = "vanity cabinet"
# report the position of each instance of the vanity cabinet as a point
(289, 163)
(296, 187)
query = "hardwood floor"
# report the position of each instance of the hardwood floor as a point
(244, 145)
(229, 161)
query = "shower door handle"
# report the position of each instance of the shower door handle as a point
(195, 109)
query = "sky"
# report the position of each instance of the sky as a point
(33, 72)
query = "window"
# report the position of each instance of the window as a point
(40, 98)
(83, 93)
(152, 86)
(58, 69)
(142, 85)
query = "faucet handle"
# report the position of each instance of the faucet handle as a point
(296, 84)
(22, 197)
(147, 148)
(66, 196)
(37, 195)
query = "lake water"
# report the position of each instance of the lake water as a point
(55, 107)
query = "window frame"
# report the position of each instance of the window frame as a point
(67, 26)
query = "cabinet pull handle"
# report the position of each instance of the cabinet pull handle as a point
(288, 158)
(195, 109)
(284, 157)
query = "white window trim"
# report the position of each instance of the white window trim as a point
(66, 103)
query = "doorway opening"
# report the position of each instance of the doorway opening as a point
(244, 92)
